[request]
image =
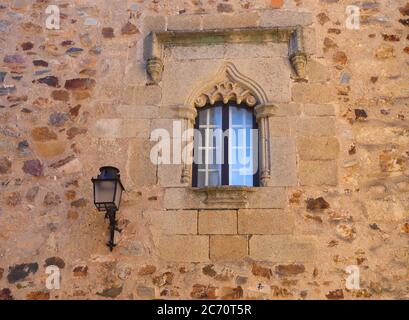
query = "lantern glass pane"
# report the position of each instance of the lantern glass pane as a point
(118, 194)
(104, 191)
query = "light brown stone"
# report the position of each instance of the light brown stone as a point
(184, 22)
(315, 126)
(184, 248)
(173, 221)
(282, 248)
(217, 222)
(265, 221)
(228, 248)
(317, 148)
(313, 93)
(223, 21)
(315, 173)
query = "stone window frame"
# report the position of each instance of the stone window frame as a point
(154, 45)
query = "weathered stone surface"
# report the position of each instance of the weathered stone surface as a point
(315, 126)
(265, 221)
(283, 162)
(313, 173)
(260, 271)
(5, 294)
(33, 167)
(80, 84)
(121, 128)
(200, 291)
(110, 292)
(50, 149)
(217, 222)
(284, 18)
(282, 248)
(19, 272)
(43, 134)
(289, 269)
(317, 204)
(228, 248)
(312, 93)
(317, 148)
(184, 22)
(38, 295)
(175, 248)
(140, 168)
(319, 109)
(5, 165)
(173, 221)
(51, 199)
(219, 21)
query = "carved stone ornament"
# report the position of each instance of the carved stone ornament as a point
(154, 67)
(224, 92)
(299, 63)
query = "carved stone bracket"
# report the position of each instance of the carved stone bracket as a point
(154, 67)
(226, 196)
(298, 58)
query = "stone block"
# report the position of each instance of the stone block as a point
(267, 197)
(265, 221)
(319, 109)
(184, 248)
(315, 126)
(50, 149)
(228, 248)
(284, 18)
(218, 222)
(170, 174)
(283, 162)
(173, 221)
(282, 248)
(121, 128)
(184, 22)
(137, 112)
(140, 169)
(180, 198)
(313, 93)
(315, 173)
(147, 95)
(224, 21)
(279, 127)
(317, 148)
(153, 23)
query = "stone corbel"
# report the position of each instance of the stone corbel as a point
(263, 114)
(298, 57)
(154, 64)
(188, 116)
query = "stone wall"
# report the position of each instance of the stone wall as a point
(75, 99)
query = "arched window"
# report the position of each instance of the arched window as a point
(225, 146)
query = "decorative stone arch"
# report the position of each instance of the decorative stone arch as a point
(228, 84)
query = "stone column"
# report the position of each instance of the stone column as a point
(263, 114)
(187, 115)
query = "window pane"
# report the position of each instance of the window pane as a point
(208, 147)
(240, 146)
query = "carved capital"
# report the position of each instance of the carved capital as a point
(265, 110)
(186, 112)
(224, 92)
(154, 67)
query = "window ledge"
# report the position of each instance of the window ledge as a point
(226, 195)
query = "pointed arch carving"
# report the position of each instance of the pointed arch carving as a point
(228, 84)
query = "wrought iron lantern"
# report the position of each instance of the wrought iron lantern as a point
(107, 197)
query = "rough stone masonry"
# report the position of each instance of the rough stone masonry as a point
(79, 97)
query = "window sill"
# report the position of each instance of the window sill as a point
(226, 195)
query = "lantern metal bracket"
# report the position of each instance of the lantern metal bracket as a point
(113, 226)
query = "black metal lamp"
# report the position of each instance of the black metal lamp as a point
(107, 197)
